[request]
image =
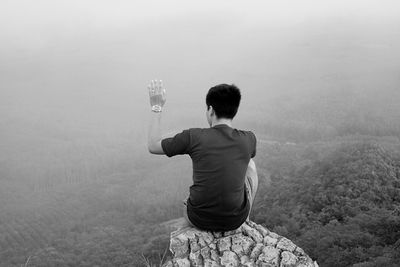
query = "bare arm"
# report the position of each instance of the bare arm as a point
(154, 135)
(157, 100)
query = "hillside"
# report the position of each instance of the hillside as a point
(340, 203)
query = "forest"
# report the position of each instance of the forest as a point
(336, 197)
(339, 201)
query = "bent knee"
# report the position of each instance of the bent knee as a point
(252, 174)
(252, 166)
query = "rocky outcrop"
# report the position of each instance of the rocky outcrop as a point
(249, 245)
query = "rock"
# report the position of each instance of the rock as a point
(270, 241)
(286, 244)
(269, 257)
(229, 258)
(288, 259)
(224, 243)
(242, 245)
(249, 245)
(256, 251)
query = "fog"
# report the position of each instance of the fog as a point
(74, 106)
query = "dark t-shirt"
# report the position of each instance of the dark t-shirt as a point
(220, 157)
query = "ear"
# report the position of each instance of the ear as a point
(212, 111)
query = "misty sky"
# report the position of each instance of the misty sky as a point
(91, 60)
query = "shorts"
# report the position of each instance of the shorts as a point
(249, 187)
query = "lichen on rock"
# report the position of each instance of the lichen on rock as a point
(249, 245)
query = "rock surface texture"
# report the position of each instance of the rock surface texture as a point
(249, 245)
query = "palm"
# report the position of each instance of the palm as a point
(157, 93)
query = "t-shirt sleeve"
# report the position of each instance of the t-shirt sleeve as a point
(177, 145)
(253, 144)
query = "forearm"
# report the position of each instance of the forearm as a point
(157, 101)
(154, 134)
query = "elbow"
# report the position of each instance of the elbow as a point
(150, 149)
(155, 148)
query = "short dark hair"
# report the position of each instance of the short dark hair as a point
(225, 100)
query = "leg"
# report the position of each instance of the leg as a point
(185, 215)
(251, 183)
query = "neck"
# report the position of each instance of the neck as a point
(222, 121)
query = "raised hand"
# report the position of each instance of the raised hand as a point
(157, 94)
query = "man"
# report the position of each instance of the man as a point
(224, 175)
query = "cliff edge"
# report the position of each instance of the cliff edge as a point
(249, 245)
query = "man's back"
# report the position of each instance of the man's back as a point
(220, 156)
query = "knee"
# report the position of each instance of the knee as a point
(251, 167)
(252, 172)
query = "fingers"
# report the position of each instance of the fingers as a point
(152, 88)
(156, 87)
(162, 89)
